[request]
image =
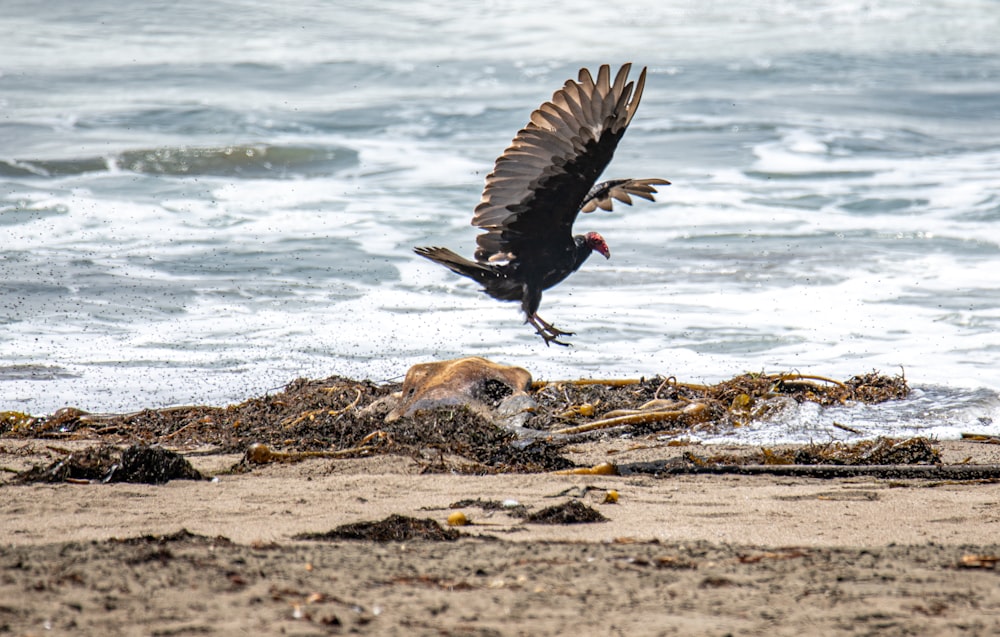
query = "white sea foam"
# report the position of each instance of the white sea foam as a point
(833, 211)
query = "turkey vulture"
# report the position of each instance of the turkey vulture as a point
(539, 185)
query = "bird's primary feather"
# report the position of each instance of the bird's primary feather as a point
(540, 182)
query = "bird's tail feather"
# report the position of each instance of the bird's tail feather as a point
(457, 263)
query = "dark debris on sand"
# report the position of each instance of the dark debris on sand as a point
(512, 508)
(106, 463)
(880, 451)
(569, 512)
(183, 537)
(343, 416)
(395, 528)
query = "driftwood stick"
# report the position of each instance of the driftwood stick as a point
(631, 419)
(797, 376)
(922, 472)
(258, 453)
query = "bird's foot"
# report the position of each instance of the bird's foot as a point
(549, 332)
(552, 338)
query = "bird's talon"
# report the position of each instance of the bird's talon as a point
(549, 332)
(553, 338)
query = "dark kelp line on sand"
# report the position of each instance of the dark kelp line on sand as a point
(340, 413)
(454, 416)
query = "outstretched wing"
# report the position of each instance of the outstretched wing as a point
(540, 182)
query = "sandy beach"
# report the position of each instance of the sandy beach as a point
(714, 555)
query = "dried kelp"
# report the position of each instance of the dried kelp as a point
(395, 528)
(338, 417)
(105, 463)
(569, 512)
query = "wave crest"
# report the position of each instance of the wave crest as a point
(252, 161)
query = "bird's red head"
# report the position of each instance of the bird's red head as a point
(597, 244)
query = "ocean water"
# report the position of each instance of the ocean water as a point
(200, 202)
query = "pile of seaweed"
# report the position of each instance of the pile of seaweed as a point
(341, 417)
(395, 528)
(666, 406)
(107, 463)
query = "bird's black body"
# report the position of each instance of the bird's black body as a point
(541, 183)
(512, 281)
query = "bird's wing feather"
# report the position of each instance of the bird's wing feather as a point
(601, 195)
(539, 183)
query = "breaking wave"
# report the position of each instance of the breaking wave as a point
(253, 161)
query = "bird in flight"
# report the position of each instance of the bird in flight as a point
(539, 185)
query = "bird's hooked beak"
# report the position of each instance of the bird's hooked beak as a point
(598, 244)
